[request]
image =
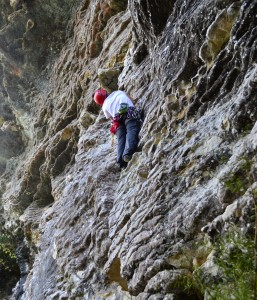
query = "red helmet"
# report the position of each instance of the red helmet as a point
(100, 96)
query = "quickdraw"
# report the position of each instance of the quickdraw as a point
(134, 113)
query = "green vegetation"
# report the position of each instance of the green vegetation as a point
(235, 258)
(7, 254)
(239, 181)
(235, 185)
(232, 272)
(235, 279)
(9, 269)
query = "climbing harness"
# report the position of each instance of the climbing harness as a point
(125, 112)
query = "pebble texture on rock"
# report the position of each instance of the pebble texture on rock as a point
(83, 228)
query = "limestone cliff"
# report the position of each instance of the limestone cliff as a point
(82, 228)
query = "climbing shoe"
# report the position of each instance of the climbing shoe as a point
(127, 158)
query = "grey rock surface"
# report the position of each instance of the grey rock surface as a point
(83, 228)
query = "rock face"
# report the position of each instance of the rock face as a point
(84, 229)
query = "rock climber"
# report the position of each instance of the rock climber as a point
(126, 122)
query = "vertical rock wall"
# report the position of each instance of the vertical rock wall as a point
(83, 228)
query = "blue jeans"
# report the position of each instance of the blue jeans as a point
(127, 135)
